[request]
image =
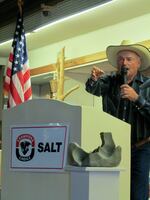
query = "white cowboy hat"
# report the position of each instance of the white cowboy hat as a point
(141, 50)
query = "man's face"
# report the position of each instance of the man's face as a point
(129, 59)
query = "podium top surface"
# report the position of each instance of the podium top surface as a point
(94, 169)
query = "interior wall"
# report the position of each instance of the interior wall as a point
(3, 61)
(136, 29)
(79, 96)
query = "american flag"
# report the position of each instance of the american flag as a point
(17, 81)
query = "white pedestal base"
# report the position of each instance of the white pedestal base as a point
(92, 183)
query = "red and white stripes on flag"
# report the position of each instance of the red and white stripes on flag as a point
(17, 81)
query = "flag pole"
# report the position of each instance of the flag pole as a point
(20, 5)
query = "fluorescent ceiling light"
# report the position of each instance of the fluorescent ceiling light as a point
(8, 41)
(62, 20)
(3, 43)
(71, 16)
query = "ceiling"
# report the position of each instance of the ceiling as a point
(11, 7)
(109, 14)
(34, 17)
(115, 12)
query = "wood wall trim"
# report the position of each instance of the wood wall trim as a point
(99, 56)
(69, 63)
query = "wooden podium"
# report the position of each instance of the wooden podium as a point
(85, 124)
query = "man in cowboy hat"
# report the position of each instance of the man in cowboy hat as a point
(126, 95)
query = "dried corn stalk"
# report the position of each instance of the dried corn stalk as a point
(57, 83)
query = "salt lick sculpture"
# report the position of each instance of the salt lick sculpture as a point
(106, 155)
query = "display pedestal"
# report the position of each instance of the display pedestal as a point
(92, 183)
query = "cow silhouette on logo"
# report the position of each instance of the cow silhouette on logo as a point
(25, 147)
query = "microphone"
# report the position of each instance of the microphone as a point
(123, 72)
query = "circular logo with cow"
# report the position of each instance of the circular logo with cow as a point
(25, 147)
